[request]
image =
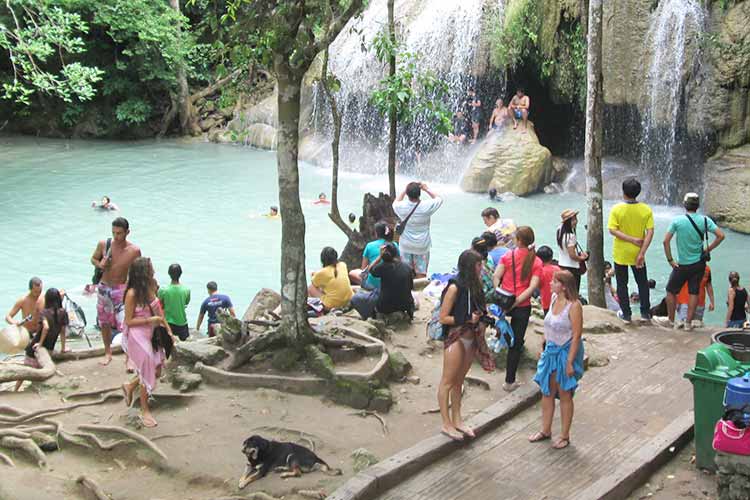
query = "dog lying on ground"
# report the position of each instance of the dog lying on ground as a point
(288, 458)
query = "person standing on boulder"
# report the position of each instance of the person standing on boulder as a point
(115, 263)
(415, 215)
(632, 224)
(691, 230)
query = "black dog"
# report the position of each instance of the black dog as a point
(289, 458)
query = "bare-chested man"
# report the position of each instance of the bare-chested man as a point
(30, 304)
(499, 115)
(111, 290)
(519, 107)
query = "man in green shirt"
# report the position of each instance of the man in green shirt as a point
(175, 298)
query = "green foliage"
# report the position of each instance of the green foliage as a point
(38, 37)
(409, 92)
(517, 41)
(133, 111)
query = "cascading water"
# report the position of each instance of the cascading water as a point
(675, 36)
(445, 37)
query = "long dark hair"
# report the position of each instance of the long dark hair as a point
(141, 279)
(53, 302)
(330, 257)
(525, 237)
(383, 231)
(565, 228)
(467, 275)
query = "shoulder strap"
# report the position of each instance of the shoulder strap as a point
(411, 213)
(107, 246)
(513, 266)
(695, 226)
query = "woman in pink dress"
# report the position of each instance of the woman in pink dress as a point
(142, 313)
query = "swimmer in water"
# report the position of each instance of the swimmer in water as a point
(106, 204)
(322, 200)
(273, 213)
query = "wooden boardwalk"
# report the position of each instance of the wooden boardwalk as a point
(619, 408)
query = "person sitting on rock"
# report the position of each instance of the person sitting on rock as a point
(499, 115)
(519, 107)
(384, 234)
(331, 284)
(460, 128)
(397, 282)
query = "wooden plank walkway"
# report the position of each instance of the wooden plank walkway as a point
(619, 408)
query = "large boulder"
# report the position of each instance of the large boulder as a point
(256, 125)
(510, 160)
(264, 301)
(727, 189)
(188, 353)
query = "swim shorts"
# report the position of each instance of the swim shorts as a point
(418, 262)
(213, 329)
(181, 331)
(110, 306)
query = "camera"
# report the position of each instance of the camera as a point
(487, 319)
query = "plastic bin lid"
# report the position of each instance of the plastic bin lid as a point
(715, 362)
(740, 385)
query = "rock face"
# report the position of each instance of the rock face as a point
(256, 126)
(727, 189)
(511, 160)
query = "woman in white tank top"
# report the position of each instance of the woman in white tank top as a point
(561, 363)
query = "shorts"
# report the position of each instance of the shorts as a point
(418, 262)
(735, 323)
(182, 331)
(110, 306)
(682, 310)
(692, 274)
(213, 329)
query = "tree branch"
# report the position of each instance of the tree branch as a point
(211, 89)
(338, 24)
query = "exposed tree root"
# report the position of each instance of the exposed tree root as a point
(369, 413)
(99, 443)
(166, 436)
(9, 409)
(315, 494)
(84, 354)
(26, 445)
(258, 495)
(10, 372)
(477, 381)
(87, 394)
(5, 458)
(15, 433)
(133, 435)
(47, 412)
(92, 486)
(259, 343)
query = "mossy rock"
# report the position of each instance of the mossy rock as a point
(363, 458)
(185, 381)
(320, 363)
(399, 365)
(382, 400)
(352, 393)
(285, 360)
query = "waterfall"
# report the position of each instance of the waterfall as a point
(674, 37)
(446, 37)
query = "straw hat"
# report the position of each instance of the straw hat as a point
(568, 214)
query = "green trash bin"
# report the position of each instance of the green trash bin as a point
(714, 366)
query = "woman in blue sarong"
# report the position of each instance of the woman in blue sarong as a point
(561, 363)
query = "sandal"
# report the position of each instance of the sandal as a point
(561, 444)
(539, 436)
(454, 437)
(466, 431)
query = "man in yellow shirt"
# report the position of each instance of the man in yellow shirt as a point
(632, 225)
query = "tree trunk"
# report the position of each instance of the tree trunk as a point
(334, 215)
(593, 156)
(392, 113)
(374, 209)
(185, 109)
(12, 371)
(293, 279)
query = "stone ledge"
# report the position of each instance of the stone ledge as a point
(637, 468)
(399, 467)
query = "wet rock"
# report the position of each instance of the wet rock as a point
(553, 188)
(320, 363)
(727, 189)
(363, 458)
(189, 353)
(382, 400)
(399, 365)
(509, 161)
(265, 300)
(184, 380)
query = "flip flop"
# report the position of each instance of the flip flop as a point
(143, 421)
(466, 431)
(539, 436)
(561, 444)
(454, 437)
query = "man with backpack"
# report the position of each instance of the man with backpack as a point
(414, 228)
(693, 252)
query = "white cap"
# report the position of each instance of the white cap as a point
(691, 197)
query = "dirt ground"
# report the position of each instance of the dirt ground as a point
(679, 478)
(207, 462)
